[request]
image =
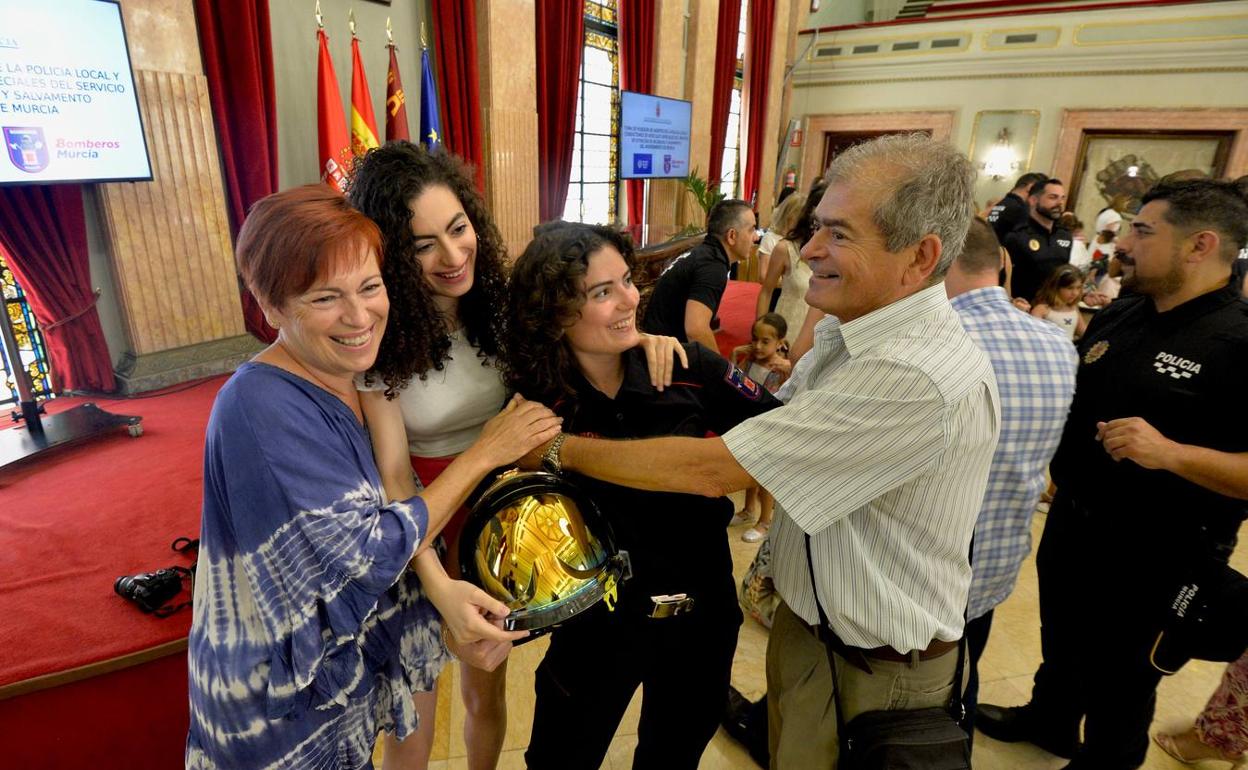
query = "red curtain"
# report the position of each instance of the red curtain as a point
(560, 31)
(43, 230)
(721, 91)
(636, 74)
(758, 40)
(455, 43)
(238, 62)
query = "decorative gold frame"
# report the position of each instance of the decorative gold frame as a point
(1020, 46)
(1074, 37)
(967, 37)
(1031, 145)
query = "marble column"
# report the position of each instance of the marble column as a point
(506, 46)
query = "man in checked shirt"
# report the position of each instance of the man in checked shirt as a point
(1035, 366)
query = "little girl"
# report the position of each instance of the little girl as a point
(1058, 301)
(765, 362)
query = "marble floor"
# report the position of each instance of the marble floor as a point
(1011, 657)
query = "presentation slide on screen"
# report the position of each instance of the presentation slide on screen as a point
(654, 136)
(68, 110)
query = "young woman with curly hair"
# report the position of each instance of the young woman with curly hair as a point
(436, 382)
(571, 342)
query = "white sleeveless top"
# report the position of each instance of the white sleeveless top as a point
(444, 413)
(792, 304)
(1066, 320)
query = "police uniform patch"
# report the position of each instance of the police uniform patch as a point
(1033, 244)
(1095, 352)
(741, 383)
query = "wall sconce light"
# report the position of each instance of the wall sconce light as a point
(1000, 161)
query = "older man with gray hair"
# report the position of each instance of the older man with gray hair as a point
(878, 462)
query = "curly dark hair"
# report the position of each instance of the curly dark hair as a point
(383, 184)
(545, 299)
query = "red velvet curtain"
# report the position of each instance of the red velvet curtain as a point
(721, 91)
(455, 43)
(43, 230)
(237, 50)
(636, 74)
(560, 32)
(758, 40)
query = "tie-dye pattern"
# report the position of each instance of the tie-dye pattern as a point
(309, 634)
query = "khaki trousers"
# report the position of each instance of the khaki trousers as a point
(800, 712)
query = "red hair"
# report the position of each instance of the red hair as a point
(294, 237)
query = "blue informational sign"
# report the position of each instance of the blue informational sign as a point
(654, 136)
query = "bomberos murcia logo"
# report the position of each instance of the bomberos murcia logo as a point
(1175, 366)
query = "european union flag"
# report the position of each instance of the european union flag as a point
(430, 122)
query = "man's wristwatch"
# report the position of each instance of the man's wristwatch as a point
(550, 458)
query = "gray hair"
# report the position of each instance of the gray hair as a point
(922, 187)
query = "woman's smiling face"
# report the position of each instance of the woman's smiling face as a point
(445, 244)
(608, 319)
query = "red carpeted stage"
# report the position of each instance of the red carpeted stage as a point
(86, 679)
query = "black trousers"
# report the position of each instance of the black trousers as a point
(1103, 580)
(595, 664)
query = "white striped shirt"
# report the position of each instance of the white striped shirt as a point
(882, 456)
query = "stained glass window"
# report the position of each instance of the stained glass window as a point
(31, 351)
(594, 180)
(731, 172)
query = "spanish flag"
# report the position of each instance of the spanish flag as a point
(333, 145)
(363, 124)
(396, 111)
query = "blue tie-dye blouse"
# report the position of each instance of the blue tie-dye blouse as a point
(309, 633)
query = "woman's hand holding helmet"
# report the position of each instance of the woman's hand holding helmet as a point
(513, 432)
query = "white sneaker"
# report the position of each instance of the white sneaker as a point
(754, 534)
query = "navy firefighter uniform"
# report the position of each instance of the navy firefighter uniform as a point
(677, 544)
(1120, 538)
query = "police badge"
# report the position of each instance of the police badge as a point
(27, 149)
(1033, 244)
(1095, 352)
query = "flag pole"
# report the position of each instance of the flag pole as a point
(389, 34)
(351, 21)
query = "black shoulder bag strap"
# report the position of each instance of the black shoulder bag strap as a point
(957, 710)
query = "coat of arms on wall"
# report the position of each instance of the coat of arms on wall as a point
(1127, 178)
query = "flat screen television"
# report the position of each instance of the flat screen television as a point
(654, 136)
(68, 108)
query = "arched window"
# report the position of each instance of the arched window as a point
(731, 174)
(594, 181)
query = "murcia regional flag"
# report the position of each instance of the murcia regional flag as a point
(396, 110)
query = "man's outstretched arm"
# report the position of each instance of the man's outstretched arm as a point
(699, 466)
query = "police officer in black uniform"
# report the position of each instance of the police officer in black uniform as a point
(1040, 245)
(1152, 478)
(674, 628)
(688, 294)
(1013, 210)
